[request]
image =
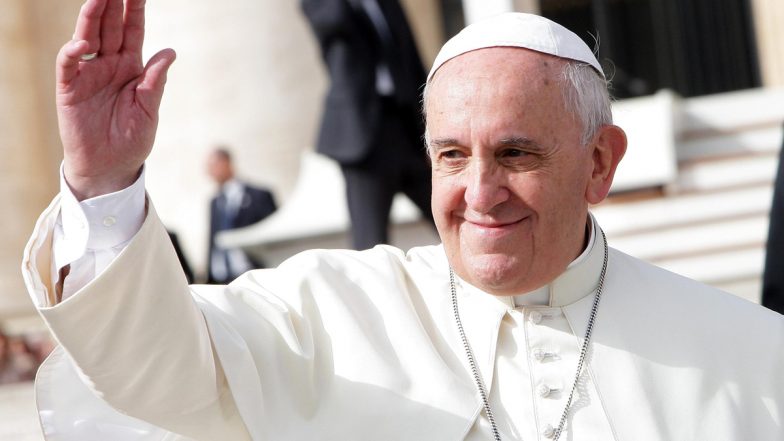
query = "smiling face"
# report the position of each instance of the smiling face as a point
(511, 180)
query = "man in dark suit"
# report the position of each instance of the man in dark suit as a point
(773, 279)
(236, 205)
(371, 124)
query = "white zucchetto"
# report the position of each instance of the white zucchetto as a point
(517, 29)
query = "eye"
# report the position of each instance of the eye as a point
(451, 154)
(513, 153)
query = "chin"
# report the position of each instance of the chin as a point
(497, 274)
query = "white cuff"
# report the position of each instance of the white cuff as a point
(98, 223)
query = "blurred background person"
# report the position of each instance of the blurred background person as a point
(186, 267)
(40, 345)
(22, 359)
(17, 360)
(773, 276)
(5, 360)
(371, 123)
(236, 205)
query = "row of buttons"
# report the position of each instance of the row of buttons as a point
(544, 390)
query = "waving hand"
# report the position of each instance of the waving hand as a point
(107, 99)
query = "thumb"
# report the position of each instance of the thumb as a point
(149, 89)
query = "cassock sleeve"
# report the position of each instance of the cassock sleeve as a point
(136, 337)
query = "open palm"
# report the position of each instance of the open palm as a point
(107, 107)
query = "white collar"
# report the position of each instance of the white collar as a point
(231, 187)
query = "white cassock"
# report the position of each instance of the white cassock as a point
(345, 345)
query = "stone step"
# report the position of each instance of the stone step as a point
(731, 112)
(632, 218)
(726, 173)
(696, 240)
(719, 268)
(765, 139)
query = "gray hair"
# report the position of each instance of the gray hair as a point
(585, 94)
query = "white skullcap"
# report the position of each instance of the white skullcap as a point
(517, 29)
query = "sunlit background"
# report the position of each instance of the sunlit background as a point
(699, 84)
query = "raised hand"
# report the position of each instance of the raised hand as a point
(107, 106)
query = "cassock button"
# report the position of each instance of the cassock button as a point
(108, 221)
(543, 390)
(548, 431)
(539, 354)
(535, 317)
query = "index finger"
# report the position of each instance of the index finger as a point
(68, 58)
(133, 30)
(88, 25)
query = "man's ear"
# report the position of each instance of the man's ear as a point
(608, 147)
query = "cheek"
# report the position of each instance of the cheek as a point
(550, 195)
(446, 196)
(532, 189)
(440, 212)
(564, 204)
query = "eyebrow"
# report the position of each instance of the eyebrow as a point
(520, 141)
(443, 142)
(516, 141)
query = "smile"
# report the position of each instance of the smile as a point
(494, 228)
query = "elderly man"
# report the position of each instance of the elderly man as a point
(522, 325)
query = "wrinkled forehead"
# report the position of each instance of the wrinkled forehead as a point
(504, 91)
(499, 87)
(520, 75)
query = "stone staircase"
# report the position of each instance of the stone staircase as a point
(711, 222)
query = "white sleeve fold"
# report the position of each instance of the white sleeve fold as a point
(91, 233)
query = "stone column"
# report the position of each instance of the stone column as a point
(530, 6)
(28, 170)
(249, 74)
(768, 16)
(478, 9)
(425, 19)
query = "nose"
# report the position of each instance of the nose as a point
(485, 187)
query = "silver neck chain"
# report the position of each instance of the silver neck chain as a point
(583, 351)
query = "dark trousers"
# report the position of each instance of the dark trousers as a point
(397, 164)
